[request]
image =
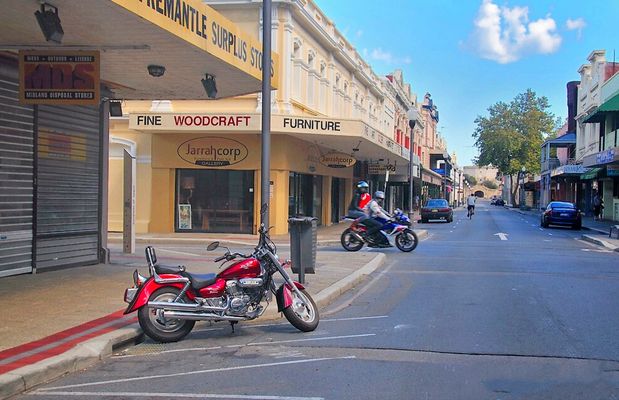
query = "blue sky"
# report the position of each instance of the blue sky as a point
(469, 54)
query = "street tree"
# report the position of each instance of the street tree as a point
(511, 135)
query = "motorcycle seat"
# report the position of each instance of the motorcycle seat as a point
(199, 281)
(169, 269)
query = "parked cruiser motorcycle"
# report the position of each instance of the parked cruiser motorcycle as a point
(171, 300)
(395, 232)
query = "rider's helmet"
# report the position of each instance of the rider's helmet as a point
(363, 186)
(379, 196)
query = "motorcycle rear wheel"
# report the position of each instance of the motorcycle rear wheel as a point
(155, 326)
(350, 242)
(406, 240)
(302, 316)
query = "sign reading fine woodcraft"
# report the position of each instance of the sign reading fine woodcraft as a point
(337, 160)
(212, 151)
(59, 77)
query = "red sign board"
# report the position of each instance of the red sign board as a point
(59, 77)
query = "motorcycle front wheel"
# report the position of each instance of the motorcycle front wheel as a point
(406, 241)
(350, 242)
(156, 326)
(302, 313)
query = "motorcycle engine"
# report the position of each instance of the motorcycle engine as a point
(243, 294)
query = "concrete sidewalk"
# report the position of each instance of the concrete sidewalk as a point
(598, 230)
(61, 321)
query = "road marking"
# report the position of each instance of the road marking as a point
(174, 395)
(179, 252)
(203, 371)
(301, 340)
(597, 250)
(502, 236)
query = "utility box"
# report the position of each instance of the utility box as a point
(303, 241)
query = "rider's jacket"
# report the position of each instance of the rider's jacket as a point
(374, 210)
(359, 201)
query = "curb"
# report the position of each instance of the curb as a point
(600, 242)
(90, 352)
(81, 356)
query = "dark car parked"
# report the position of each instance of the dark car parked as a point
(437, 209)
(561, 213)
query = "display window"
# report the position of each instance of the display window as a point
(305, 195)
(219, 201)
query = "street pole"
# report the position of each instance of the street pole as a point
(265, 165)
(413, 117)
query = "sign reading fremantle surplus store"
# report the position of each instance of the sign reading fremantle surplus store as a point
(202, 26)
(59, 77)
(212, 151)
(337, 160)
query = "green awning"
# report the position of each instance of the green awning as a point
(591, 174)
(611, 105)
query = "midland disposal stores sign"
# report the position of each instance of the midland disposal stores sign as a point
(59, 77)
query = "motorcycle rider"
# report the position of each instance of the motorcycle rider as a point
(375, 210)
(359, 201)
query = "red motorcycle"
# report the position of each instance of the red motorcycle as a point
(171, 300)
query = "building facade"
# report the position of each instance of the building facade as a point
(56, 82)
(595, 133)
(334, 122)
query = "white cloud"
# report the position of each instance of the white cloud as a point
(505, 34)
(378, 54)
(577, 24)
(359, 33)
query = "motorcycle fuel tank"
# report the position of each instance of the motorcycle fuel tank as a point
(248, 268)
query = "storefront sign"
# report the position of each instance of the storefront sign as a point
(59, 77)
(310, 124)
(61, 146)
(212, 151)
(379, 169)
(612, 170)
(569, 169)
(194, 122)
(202, 26)
(337, 160)
(605, 156)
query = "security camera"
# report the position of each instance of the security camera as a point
(156, 70)
(210, 86)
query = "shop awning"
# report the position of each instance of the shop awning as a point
(591, 174)
(186, 37)
(609, 106)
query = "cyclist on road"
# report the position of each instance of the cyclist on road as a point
(470, 204)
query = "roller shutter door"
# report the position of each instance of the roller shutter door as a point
(16, 177)
(68, 168)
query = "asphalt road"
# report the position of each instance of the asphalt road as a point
(470, 314)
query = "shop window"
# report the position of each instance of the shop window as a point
(214, 201)
(305, 195)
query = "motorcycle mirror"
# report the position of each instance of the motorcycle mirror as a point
(212, 246)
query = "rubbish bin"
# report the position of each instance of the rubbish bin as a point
(303, 245)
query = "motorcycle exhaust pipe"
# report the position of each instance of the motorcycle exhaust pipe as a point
(183, 307)
(199, 316)
(357, 236)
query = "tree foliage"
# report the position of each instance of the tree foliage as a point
(470, 179)
(490, 185)
(511, 135)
